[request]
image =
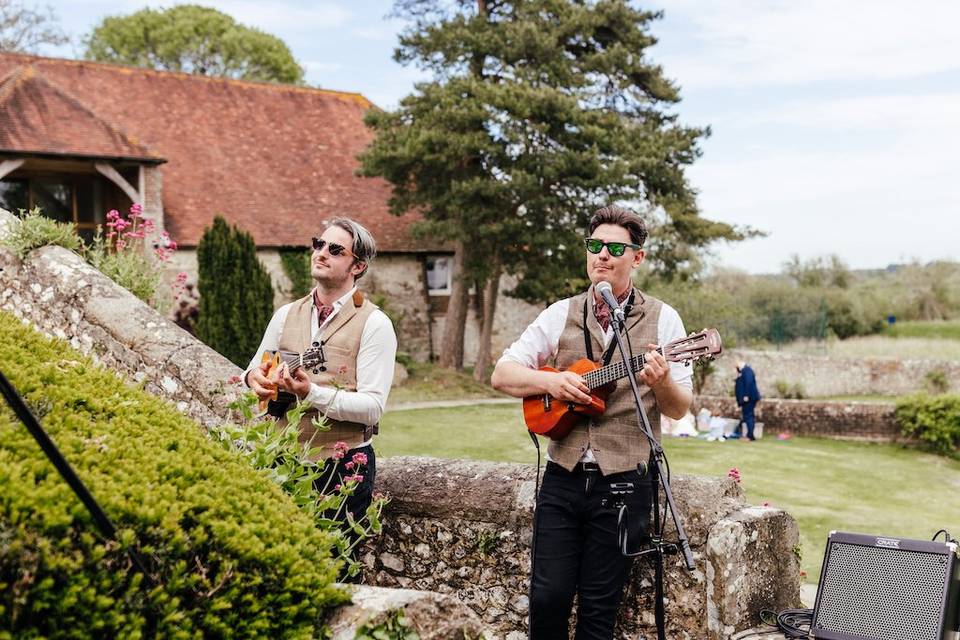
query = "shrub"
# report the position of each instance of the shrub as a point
(934, 420)
(937, 381)
(36, 230)
(232, 556)
(787, 391)
(236, 297)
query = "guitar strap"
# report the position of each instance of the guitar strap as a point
(588, 343)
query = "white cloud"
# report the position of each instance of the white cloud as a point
(750, 43)
(890, 113)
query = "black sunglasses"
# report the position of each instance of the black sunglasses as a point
(334, 248)
(616, 249)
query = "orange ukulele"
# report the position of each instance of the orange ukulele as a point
(547, 416)
(312, 358)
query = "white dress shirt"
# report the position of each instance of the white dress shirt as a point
(538, 344)
(375, 362)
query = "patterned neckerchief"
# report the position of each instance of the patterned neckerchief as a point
(323, 310)
(602, 311)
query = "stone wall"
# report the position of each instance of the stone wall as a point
(58, 293)
(464, 528)
(826, 375)
(875, 421)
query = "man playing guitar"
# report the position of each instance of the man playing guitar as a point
(575, 548)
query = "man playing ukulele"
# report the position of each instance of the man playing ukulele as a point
(351, 384)
(575, 548)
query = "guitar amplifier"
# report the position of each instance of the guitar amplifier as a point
(884, 588)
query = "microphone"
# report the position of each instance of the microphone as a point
(606, 292)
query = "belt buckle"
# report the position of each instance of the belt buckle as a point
(589, 466)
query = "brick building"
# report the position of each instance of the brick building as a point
(79, 138)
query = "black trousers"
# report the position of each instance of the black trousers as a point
(356, 503)
(575, 550)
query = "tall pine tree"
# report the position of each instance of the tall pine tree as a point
(236, 297)
(539, 112)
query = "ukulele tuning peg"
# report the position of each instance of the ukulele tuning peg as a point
(323, 368)
(316, 344)
(316, 371)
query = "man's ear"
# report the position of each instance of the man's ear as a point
(638, 258)
(357, 269)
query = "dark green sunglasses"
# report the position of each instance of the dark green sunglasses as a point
(616, 249)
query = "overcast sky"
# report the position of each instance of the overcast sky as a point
(836, 124)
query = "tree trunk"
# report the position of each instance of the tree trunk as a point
(490, 291)
(451, 345)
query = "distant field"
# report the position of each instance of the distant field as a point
(878, 346)
(824, 484)
(949, 330)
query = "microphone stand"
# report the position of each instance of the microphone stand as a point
(659, 547)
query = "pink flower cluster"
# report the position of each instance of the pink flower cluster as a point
(165, 247)
(735, 474)
(340, 450)
(122, 230)
(179, 284)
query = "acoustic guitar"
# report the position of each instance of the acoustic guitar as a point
(312, 358)
(547, 416)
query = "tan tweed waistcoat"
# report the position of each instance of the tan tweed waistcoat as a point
(341, 343)
(615, 437)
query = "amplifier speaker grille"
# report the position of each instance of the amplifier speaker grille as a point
(871, 592)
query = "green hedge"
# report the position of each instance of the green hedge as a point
(233, 556)
(934, 420)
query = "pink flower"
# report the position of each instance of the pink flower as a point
(735, 474)
(233, 379)
(348, 466)
(337, 488)
(340, 450)
(182, 276)
(136, 209)
(113, 214)
(360, 458)
(766, 504)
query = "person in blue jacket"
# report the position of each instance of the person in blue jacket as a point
(747, 397)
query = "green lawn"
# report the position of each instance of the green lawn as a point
(824, 484)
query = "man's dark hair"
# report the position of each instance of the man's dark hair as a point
(615, 214)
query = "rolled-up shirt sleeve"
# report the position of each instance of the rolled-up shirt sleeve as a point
(670, 328)
(271, 338)
(540, 340)
(375, 364)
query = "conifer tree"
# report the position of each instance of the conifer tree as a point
(236, 297)
(539, 112)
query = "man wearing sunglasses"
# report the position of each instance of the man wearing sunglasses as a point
(359, 346)
(575, 548)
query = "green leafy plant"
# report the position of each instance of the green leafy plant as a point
(395, 626)
(289, 463)
(36, 230)
(933, 420)
(231, 555)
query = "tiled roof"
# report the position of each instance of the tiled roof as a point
(275, 159)
(38, 117)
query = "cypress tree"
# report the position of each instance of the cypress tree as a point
(236, 297)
